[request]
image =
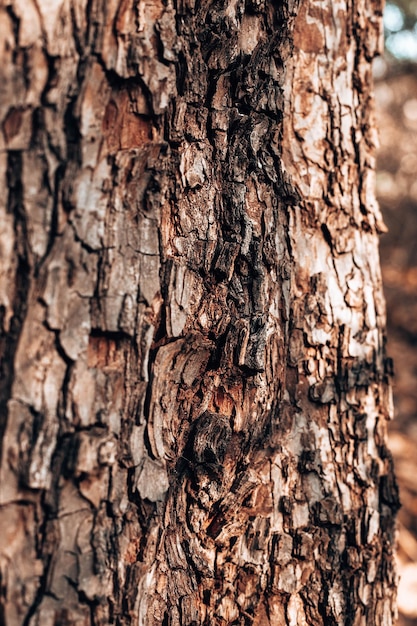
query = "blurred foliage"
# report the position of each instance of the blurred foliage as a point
(396, 100)
(400, 24)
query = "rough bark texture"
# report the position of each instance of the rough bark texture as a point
(194, 390)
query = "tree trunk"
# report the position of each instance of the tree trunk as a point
(194, 388)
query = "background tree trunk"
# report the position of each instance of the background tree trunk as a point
(194, 387)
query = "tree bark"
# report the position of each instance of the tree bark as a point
(194, 386)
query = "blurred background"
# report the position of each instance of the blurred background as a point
(396, 97)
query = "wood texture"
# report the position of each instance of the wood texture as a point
(194, 387)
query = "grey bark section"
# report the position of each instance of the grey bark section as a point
(193, 376)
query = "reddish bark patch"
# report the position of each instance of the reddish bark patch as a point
(123, 127)
(12, 123)
(307, 36)
(103, 352)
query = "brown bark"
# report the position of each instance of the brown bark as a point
(194, 388)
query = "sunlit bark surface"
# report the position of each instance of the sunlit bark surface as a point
(194, 389)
